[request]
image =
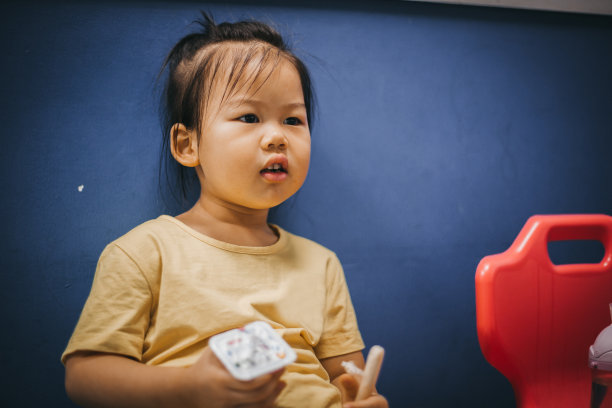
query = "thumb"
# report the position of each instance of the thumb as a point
(348, 386)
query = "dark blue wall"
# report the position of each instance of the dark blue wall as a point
(441, 129)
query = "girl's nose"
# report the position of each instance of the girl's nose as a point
(274, 138)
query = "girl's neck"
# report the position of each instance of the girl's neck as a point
(238, 226)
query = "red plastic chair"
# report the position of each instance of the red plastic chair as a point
(536, 320)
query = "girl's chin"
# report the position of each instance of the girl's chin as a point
(268, 197)
(268, 204)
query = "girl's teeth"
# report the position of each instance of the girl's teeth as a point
(275, 168)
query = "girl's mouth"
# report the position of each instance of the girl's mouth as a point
(276, 169)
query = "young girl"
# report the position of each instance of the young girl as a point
(239, 105)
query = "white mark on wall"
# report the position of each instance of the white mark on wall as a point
(80, 188)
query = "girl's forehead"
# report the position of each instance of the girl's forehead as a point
(244, 67)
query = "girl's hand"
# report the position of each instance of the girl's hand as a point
(348, 386)
(211, 385)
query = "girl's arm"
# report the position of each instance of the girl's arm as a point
(348, 384)
(108, 380)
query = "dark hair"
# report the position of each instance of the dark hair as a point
(197, 61)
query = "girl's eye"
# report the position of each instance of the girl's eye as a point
(292, 121)
(249, 118)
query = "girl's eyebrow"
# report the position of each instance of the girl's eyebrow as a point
(236, 102)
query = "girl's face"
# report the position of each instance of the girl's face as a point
(254, 151)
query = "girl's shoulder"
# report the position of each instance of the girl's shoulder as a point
(157, 230)
(148, 242)
(139, 250)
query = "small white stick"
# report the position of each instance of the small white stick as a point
(351, 368)
(370, 372)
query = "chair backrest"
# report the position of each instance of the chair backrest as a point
(536, 320)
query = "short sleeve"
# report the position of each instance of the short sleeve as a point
(116, 314)
(341, 333)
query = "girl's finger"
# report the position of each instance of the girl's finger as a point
(348, 386)
(267, 402)
(269, 390)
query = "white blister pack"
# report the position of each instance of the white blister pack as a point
(252, 350)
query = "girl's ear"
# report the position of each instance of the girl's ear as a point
(184, 145)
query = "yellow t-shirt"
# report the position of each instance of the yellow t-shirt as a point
(163, 289)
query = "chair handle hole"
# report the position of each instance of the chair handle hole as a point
(576, 252)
